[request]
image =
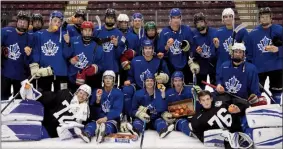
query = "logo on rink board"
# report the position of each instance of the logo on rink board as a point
(49, 48)
(107, 47)
(228, 43)
(263, 43)
(14, 51)
(233, 85)
(144, 74)
(205, 51)
(175, 48)
(82, 61)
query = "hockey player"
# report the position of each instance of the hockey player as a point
(78, 19)
(37, 22)
(217, 115)
(50, 53)
(223, 39)
(178, 92)
(203, 49)
(265, 52)
(148, 107)
(15, 55)
(86, 59)
(174, 42)
(140, 66)
(137, 28)
(238, 76)
(151, 34)
(63, 111)
(131, 39)
(106, 106)
(116, 44)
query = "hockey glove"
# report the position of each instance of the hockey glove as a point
(193, 66)
(80, 78)
(257, 101)
(162, 78)
(34, 67)
(185, 46)
(167, 117)
(91, 70)
(44, 72)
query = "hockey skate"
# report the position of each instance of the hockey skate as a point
(83, 135)
(100, 133)
(164, 132)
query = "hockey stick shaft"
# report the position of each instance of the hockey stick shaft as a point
(270, 97)
(214, 87)
(15, 96)
(143, 130)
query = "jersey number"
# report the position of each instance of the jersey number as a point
(227, 119)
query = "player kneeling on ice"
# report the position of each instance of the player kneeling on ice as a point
(63, 111)
(217, 123)
(179, 96)
(148, 105)
(106, 106)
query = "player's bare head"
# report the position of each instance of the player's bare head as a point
(108, 78)
(83, 93)
(137, 20)
(37, 21)
(56, 18)
(80, 16)
(23, 19)
(150, 29)
(265, 16)
(149, 81)
(110, 17)
(200, 21)
(205, 99)
(123, 21)
(175, 17)
(238, 52)
(147, 46)
(177, 79)
(87, 30)
(228, 16)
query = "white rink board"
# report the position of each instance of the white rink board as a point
(151, 140)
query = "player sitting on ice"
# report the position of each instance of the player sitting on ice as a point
(106, 106)
(178, 92)
(63, 111)
(148, 105)
(210, 122)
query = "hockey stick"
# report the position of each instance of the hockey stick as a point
(11, 100)
(214, 87)
(143, 130)
(236, 30)
(194, 91)
(270, 97)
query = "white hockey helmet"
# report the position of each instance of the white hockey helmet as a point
(228, 11)
(85, 88)
(123, 17)
(108, 73)
(239, 46)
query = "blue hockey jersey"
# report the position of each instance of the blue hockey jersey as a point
(16, 65)
(177, 58)
(86, 56)
(156, 106)
(73, 31)
(259, 38)
(132, 41)
(241, 81)
(111, 53)
(172, 95)
(140, 67)
(49, 51)
(111, 104)
(206, 59)
(225, 39)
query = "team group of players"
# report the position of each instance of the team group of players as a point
(91, 61)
